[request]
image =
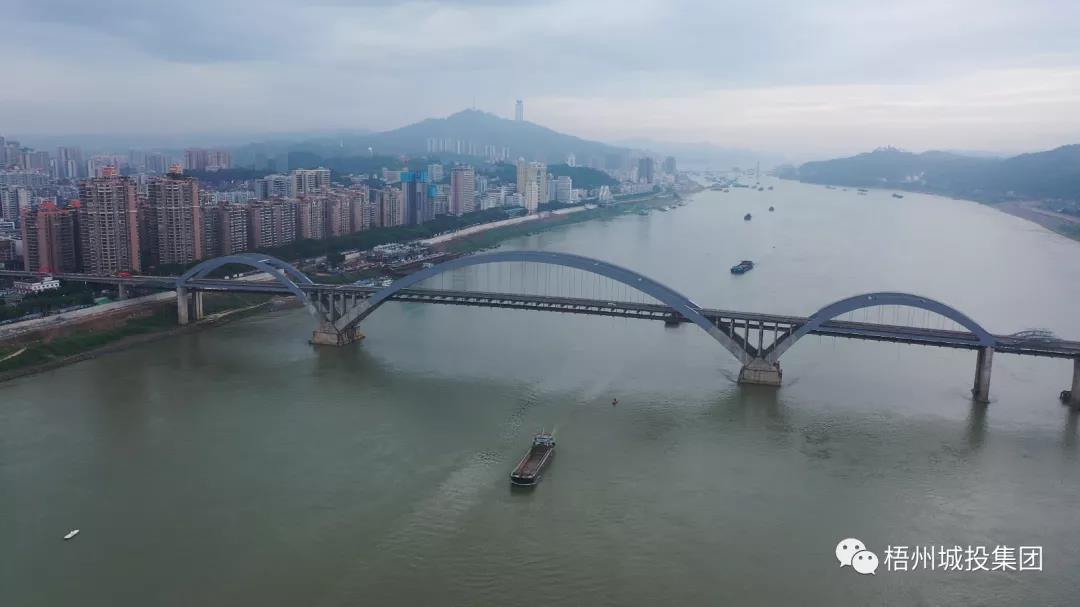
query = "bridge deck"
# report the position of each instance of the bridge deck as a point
(746, 326)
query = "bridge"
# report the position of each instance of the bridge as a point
(756, 340)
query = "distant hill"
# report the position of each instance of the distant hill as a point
(480, 129)
(1050, 174)
(524, 139)
(583, 177)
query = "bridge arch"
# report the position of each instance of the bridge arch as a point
(284, 272)
(868, 300)
(680, 303)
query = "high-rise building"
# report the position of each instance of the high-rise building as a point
(532, 184)
(413, 198)
(645, 170)
(49, 238)
(272, 223)
(176, 203)
(564, 189)
(157, 163)
(212, 228)
(273, 186)
(435, 172)
(362, 216)
(669, 165)
(309, 181)
(69, 163)
(571, 160)
(339, 213)
(393, 209)
(196, 159)
(311, 218)
(108, 224)
(519, 110)
(218, 159)
(13, 200)
(233, 229)
(462, 190)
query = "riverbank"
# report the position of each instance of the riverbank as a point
(43, 348)
(36, 353)
(468, 241)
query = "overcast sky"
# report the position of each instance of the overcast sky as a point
(803, 77)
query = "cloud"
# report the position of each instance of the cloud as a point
(865, 68)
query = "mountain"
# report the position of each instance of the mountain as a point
(480, 129)
(473, 132)
(1050, 174)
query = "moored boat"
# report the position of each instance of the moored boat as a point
(742, 267)
(895, 195)
(531, 467)
(747, 217)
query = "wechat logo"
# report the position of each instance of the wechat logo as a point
(854, 553)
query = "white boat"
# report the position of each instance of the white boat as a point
(71, 534)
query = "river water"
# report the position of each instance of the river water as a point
(241, 466)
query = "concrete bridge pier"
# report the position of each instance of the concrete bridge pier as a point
(760, 372)
(329, 335)
(1073, 399)
(981, 391)
(182, 306)
(197, 305)
(121, 291)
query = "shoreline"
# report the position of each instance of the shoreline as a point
(1058, 223)
(467, 240)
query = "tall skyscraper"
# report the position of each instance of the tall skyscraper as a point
(393, 211)
(462, 190)
(519, 110)
(13, 200)
(233, 226)
(50, 242)
(414, 198)
(179, 214)
(645, 170)
(108, 224)
(339, 213)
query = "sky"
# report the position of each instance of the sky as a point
(803, 78)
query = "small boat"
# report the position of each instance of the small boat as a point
(71, 534)
(747, 217)
(895, 195)
(863, 190)
(742, 267)
(771, 209)
(642, 212)
(761, 189)
(531, 466)
(1066, 396)
(770, 188)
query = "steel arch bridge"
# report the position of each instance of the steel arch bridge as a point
(341, 308)
(668, 296)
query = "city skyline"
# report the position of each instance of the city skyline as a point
(803, 81)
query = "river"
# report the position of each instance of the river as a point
(241, 466)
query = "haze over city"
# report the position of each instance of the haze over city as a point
(800, 79)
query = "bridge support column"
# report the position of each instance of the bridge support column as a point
(1072, 397)
(182, 309)
(197, 305)
(328, 335)
(981, 391)
(121, 291)
(761, 372)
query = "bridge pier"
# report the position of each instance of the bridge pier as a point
(121, 291)
(760, 372)
(182, 306)
(981, 391)
(1072, 397)
(329, 335)
(197, 305)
